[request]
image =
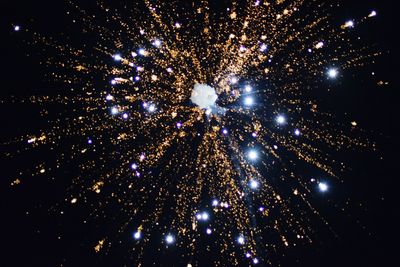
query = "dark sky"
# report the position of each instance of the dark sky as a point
(367, 238)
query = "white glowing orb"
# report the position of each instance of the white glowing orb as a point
(323, 187)
(215, 202)
(333, 73)
(280, 119)
(117, 57)
(17, 28)
(157, 43)
(240, 240)
(203, 96)
(208, 231)
(254, 184)
(248, 88)
(137, 235)
(248, 101)
(253, 155)
(114, 111)
(169, 239)
(349, 24)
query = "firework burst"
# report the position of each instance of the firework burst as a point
(188, 120)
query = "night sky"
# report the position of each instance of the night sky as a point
(42, 228)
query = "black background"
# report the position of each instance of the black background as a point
(367, 238)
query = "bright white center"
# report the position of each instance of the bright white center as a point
(203, 96)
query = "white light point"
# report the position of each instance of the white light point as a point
(323, 187)
(125, 116)
(142, 52)
(157, 43)
(372, 14)
(263, 47)
(114, 111)
(208, 231)
(248, 89)
(234, 80)
(117, 57)
(179, 125)
(169, 70)
(17, 28)
(152, 108)
(253, 155)
(215, 202)
(169, 239)
(204, 96)
(90, 141)
(333, 73)
(137, 235)
(280, 119)
(254, 184)
(225, 131)
(248, 255)
(255, 260)
(319, 45)
(349, 24)
(109, 98)
(134, 166)
(248, 101)
(240, 240)
(297, 132)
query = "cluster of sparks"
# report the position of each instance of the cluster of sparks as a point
(191, 117)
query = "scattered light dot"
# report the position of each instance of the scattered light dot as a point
(323, 187)
(179, 125)
(152, 108)
(297, 132)
(137, 235)
(248, 88)
(125, 116)
(109, 97)
(225, 131)
(248, 255)
(248, 101)
(208, 231)
(253, 155)
(169, 239)
(319, 45)
(157, 43)
(117, 57)
(254, 184)
(263, 47)
(372, 14)
(90, 141)
(215, 202)
(261, 209)
(142, 51)
(349, 24)
(333, 73)
(240, 240)
(234, 80)
(114, 111)
(255, 260)
(169, 70)
(280, 119)
(134, 166)
(17, 28)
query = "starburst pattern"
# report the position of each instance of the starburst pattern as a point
(170, 169)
